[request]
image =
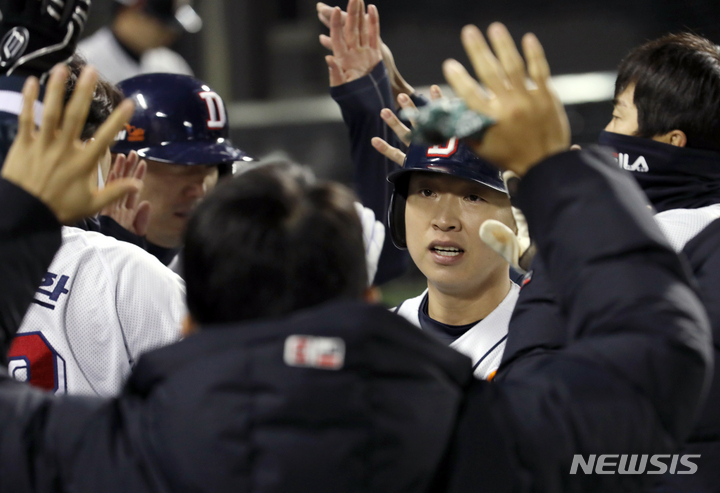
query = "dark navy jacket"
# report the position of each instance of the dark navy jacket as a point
(538, 330)
(223, 411)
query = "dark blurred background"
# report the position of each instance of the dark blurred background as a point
(264, 58)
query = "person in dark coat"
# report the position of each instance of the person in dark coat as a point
(665, 132)
(292, 383)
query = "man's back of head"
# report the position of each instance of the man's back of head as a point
(676, 82)
(269, 242)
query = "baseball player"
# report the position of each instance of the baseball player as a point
(180, 128)
(470, 295)
(138, 38)
(441, 196)
(83, 331)
(102, 303)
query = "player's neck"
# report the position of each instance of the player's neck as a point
(466, 308)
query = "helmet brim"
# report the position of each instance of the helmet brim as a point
(190, 153)
(457, 170)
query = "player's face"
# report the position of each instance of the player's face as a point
(625, 116)
(173, 192)
(442, 223)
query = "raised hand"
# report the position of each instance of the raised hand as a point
(398, 84)
(397, 126)
(355, 45)
(52, 163)
(129, 212)
(531, 123)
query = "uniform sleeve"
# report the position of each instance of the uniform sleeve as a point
(150, 303)
(361, 102)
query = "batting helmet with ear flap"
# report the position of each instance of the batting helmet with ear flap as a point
(454, 158)
(179, 120)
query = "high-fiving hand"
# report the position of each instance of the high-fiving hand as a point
(355, 42)
(52, 163)
(372, 18)
(531, 123)
(129, 212)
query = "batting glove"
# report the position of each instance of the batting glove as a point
(517, 249)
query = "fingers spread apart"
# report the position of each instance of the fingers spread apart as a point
(392, 153)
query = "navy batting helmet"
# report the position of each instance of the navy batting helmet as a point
(455, 159)
(178, 119)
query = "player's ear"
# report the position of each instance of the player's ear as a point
(674, 137)
(189, 326)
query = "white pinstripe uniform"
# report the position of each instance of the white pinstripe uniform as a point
(682, 225)
(100, 306)
(485, 342)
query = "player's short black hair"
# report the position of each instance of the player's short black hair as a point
(271, 241)
(677, 86)
(104, 101)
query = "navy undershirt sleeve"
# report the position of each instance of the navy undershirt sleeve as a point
(361, 102)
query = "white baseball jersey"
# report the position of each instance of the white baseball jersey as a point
(485, 342)
(112, 62)
(682, 225)
(101, 304)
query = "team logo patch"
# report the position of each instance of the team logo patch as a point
(217, 116)
(13, 45)
(323, 353)
(444, 151)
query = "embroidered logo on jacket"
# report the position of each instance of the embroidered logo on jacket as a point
(640, 165)
(323, 353)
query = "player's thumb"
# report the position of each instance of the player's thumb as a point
(502, 240)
